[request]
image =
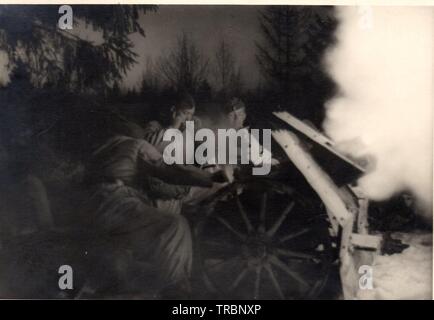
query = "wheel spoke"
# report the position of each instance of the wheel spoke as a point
(294, 254)
(278, 263)
(213, 262)
(274, 281)
(244, 215)
(240, 277)
(257, 282)
(223, 263)
(294, 234)
(280, 220)
(216, 243)
(262, 212)
(218, 248)
(316, 287)
(230, 228)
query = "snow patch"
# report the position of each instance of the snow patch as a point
(404, 276)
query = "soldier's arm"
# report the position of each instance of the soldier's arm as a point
(151, 161)
(154, 133)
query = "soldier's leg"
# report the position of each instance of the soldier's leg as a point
(161, 240)
(164, 240)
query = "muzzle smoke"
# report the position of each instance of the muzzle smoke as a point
(382, 64)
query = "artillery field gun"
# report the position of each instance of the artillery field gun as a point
(280, 237)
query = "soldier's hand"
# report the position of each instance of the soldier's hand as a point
(229, 173)
(179, 120)
(219, 177)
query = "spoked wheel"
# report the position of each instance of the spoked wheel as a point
(267, 243)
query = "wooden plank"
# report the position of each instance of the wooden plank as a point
(342, 209)
(366, 241)
(362, 216)
(315, 176)
(307, 130)
(341, 168)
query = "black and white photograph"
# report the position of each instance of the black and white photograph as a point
(216, 152)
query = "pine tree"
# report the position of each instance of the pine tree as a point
(150, 82)
(54, 57)
(290, 56)
(227, 72)
(184, 68)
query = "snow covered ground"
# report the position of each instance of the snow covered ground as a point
(407, 275)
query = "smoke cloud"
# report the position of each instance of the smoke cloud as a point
(382, 64)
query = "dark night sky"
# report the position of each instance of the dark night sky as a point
(207, 25)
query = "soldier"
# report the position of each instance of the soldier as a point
(232, 116)
(234, 113)
(169, 197)
(122, 209)
(181, 111)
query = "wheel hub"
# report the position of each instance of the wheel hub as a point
(257, 249)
